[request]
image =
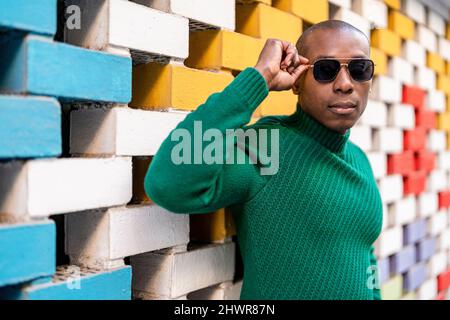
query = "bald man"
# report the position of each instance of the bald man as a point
(306, 228)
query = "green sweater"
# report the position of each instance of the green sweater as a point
(306, 232)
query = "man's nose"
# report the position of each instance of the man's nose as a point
(343, 82)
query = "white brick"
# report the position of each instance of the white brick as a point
(415, 10)
(414, 53)
(427, 204)
(353, 18)
(402, 211)
(156, 274)
(437, 140)
(378, 162)
(388, 140)
(120, 131)
(223, 291)
(375, 11)
(375, 114)
(391, 188)
(362, 137)
(386, 89)
(425, 78)
(435, 100)
(220, 13)
(51, 186)
(437, 223)
(389, 242)
(437, 264)
(436, 23)
(401, 116)
(426, 38)
(124, 24)
(443, 160)
(98, 237)
(437, 181)
(444, 240)
(428, 290)
(444, 48)
(401, 70)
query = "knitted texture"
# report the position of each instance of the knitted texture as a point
(306, 232)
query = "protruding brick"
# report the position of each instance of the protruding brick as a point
(124, 24)
(120, 131)
(160, 275)
(401, 25)
(414, 182)
(40, 188)
(375, 11)
(311, 12)
(28, 251)
(414, 95)
(37, 65)
(213, 49)
(261, 21)
(387, 41)
(401, 116)
(29, 16)
(102, 238)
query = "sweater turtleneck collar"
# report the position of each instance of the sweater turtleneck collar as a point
(329, 138)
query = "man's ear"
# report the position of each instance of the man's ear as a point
(296, 87)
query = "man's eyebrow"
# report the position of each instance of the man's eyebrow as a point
(333, 57)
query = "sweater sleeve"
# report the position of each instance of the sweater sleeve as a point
(204, 187)
(374, 262)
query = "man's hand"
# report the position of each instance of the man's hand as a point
(280, 64)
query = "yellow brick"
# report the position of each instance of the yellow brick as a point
(140, 167)
(387, 41)
(401, 24)
(447, 68)
(392, 289)
(410, 296)
(278, 103)
(435, 62)
(158, 86)
(216, 49)
(448, 103)
(212, 227)
(268, 2)
(443, 84)
(261, 21)
(310, 11)
(394, 4)
(448, 31)
(444, 121)
(380, 60)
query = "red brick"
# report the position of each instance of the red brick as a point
(444, 280)
(444, 199)
(401, 163)
(425, 160)
(414, 183)
(426, 119)
(415, 139)
(414, 95)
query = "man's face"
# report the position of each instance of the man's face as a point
(316, 98)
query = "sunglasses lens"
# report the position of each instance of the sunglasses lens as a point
(326, 70)
(361, 70)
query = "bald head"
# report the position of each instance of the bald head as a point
(335, 25)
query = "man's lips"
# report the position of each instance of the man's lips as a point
(343, 107)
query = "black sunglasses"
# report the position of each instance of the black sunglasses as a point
(326, 70)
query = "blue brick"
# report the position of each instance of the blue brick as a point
(27, 251)
(414, 277)
(402, 260)
(101, 285)
(37, 16)
(415, 231)
(36, 65)
(425, 249)
(383, 267)
(30, 127)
